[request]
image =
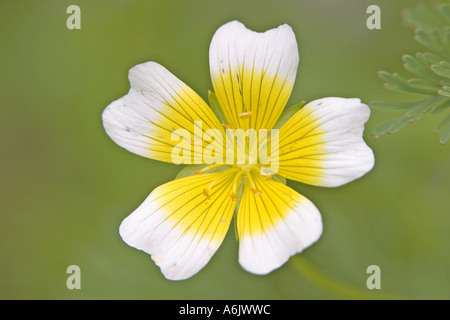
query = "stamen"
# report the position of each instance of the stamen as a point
(256, 191)
(201, 171)
(206, 191)
(236, 181)
(226, 126)
(206, 194)
(234, 197)
(245, 115)
(252, 184)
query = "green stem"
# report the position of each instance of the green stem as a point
(330, 285)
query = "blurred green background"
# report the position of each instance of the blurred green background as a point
(65, 186)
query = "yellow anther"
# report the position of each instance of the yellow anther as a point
(256, 191)
(206, 191)
(206, 194)
(226, 126)
(245, 115)
(234, 197)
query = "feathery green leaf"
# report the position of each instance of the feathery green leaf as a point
(431, 72)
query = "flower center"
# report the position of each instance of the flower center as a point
(247, 166)
(243, 175)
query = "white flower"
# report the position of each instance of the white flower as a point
(182, 223)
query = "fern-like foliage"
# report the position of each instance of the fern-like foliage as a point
(430, 72)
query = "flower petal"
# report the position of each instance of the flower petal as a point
(253, 73)
(180, 225)
(322, 144)
(274, 225)
(157, 104)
